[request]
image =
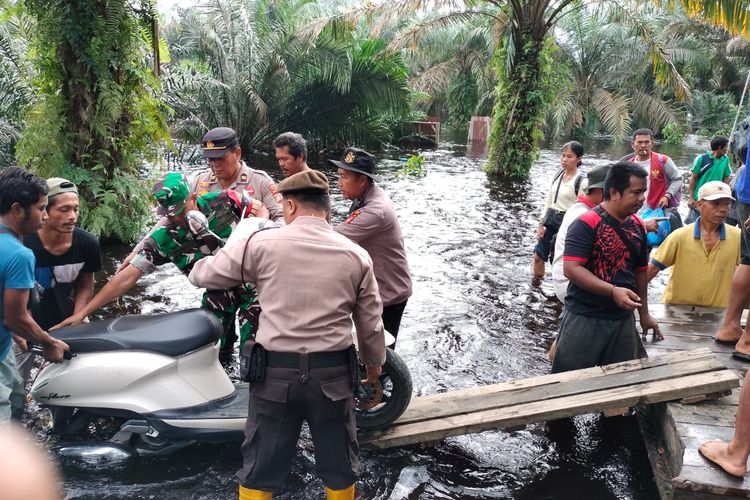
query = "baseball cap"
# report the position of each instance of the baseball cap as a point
(217, 141)
(170, 193)
(58, 185)
(596, 176)
(357, 160)
(715, 190)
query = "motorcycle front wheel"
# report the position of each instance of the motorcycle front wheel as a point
(380, 404)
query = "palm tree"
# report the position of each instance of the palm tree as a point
(451, 64)
(15, 91)
(525, 61)
(607, 93)
(245, 64)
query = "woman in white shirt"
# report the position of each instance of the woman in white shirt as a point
(562, 194)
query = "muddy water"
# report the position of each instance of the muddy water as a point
(475, 318)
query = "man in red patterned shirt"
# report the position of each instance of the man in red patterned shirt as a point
(605, 259)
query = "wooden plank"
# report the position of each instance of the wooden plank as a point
(698, 475)
(419, 404)
(703, 414)
(724, 357)
(688, 343)
(675, 313)
(432, 407)
(647, 393)
(660, 437)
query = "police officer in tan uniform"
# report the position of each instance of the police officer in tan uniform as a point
(372, 223)
(312, 283)
(228, 171)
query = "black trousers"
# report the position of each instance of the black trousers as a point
(392, 319)
(321, 396)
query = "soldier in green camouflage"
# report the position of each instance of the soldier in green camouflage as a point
(183, 244)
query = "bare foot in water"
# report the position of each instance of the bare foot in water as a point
(729, 334)
(718, 452)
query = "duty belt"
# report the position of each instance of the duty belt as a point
(314, 359)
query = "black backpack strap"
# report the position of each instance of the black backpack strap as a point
(611, 222)
(558, 175)
(707, 161)
(577, 183)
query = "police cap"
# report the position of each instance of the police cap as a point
(357, 160)
(305, 182)
(218, 141)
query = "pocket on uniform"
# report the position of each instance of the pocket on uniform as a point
(337, 389)
(273, 390)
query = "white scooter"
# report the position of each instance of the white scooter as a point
(159, 377)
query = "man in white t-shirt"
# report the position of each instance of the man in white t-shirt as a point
(593, 191)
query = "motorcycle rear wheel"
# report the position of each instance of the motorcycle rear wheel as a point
(392, 394)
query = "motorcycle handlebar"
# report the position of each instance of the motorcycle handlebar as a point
(39, 350)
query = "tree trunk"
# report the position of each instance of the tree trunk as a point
(519, 109)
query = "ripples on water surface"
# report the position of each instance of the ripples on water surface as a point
(474, 319)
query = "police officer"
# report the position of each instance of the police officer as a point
(372, 223)
(309, 280)
(227, 171)
(183, 244)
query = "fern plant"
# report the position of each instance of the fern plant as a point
(95, 118)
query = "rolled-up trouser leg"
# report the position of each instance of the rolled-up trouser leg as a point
(248, 313)
(11, 390)
(223, 304)
(24, 363)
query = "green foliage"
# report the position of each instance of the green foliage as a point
(673, 134)
(520, 100)
(254, 66)
(95, 119)
(462, 99)
(15, 91)
(713, 113)
(413, 167)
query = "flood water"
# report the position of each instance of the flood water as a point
(475, 318)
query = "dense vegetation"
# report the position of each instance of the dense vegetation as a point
(95, 89)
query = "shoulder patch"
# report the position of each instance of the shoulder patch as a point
(352, 216)
(275, 192)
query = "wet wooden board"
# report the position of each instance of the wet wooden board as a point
(550, 397)
(690, 475)
(540, 388)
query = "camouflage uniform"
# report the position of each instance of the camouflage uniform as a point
(175, 243)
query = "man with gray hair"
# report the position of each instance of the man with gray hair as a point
(291, 153)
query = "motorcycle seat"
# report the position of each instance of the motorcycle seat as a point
(173, 334)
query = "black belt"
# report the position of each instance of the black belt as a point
(314, 359)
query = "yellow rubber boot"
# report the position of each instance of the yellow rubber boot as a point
(248, 494)
(345, 494)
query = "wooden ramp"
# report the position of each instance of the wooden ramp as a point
(673, 431)
(673, 376)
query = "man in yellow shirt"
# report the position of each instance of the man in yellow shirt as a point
(704, 255)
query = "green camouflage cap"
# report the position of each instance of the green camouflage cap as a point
(170, 193)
